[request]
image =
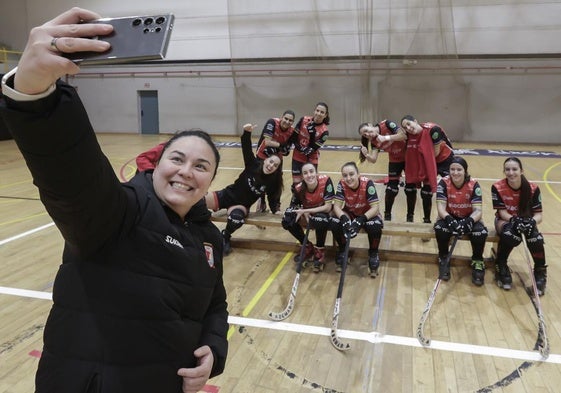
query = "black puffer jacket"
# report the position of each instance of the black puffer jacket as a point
(140, 288)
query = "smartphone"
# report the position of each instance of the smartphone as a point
(134, 39)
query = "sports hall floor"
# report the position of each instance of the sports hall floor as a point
(482, 337)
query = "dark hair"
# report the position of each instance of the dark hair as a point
(326, 120)
(289, 112)
(364, 141)
(277, 180)
(525, 200)
(407, 117)
(460, 160)
(350, 163)
(198, 133)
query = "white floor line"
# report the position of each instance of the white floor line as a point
(11, 239)
(372, 337)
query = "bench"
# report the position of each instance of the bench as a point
(399, 229)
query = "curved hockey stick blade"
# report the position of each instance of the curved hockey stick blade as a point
(425, 342)
(279, 316)
(335, 340)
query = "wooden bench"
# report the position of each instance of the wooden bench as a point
(391, 228)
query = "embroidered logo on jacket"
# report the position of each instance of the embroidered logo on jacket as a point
(173, 241)
(209, 251)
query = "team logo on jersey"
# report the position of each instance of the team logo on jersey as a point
(478, 191)
(434, 135)
(393, 125)
(209, 251)
(371, 190)
(329, 187)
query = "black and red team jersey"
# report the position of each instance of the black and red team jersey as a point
(505, 197)
(356, 202)
(323, 193)
(303, 140)
(273, 131)
(460, 202)
(439, 137)
(395, 149)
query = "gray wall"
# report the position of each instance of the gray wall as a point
(484, 70)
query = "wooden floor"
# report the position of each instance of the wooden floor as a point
(483, 337)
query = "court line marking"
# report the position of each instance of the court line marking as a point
(547, 182)
(23, 234)
(371, 337)
(262, 290)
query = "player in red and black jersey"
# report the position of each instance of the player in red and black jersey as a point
(387, 135)
(420, 171)
(274, 140)
(459, 204)
(356, 206)
(310, 134)
(312, 200)
(518, 207)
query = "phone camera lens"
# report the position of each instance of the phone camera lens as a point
(158, 29)
(160, 20)
(136, 22)
(146, 30)
(148, 21)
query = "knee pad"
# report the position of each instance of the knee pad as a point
(410, 189)
(426, 192)
(479, 232)
(236, 219)
(508, 237)
(392, 188)
(535, 239)
(374, 226)
(288, 219)
(320, 221)
(440, 227)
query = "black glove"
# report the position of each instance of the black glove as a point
(350, 230)
(311, 127)
(270, 151)
(467, 224)
(517, 223)
(453, 225)
(358, 223)
(284, 150)
(529, 224)
(289, 218)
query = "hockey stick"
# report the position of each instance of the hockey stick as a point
(425, 342)
(542, 336)
(337, 343)
(290, 306)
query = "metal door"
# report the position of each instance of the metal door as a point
(149, 119)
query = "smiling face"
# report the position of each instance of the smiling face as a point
(350, 176)
(184, 173)
(320, 114)
(411, 126)
(310, 175)
(369, 131)
(271, 164)
(286, 121)
(513, 173)
(457, 174)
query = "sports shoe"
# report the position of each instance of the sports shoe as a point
(226, 247)
(373, 263)
(308, 253)
(540, 274)
(477, 272)
(387, 216)
(502, 276)
(444, 269)
(409, 218)
(426, 220)
(319, 255)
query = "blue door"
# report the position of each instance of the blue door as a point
(149, 120)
